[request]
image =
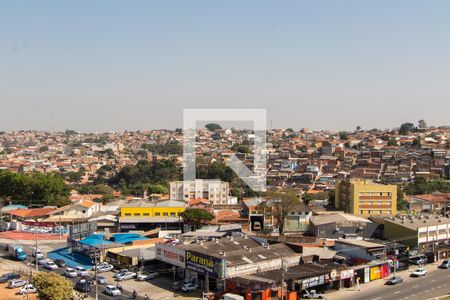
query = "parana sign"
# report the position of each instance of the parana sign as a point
(205, 264)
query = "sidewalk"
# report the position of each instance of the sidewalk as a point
(346, 292)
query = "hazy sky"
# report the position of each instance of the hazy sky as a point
(115, 65)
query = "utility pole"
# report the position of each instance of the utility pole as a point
(282, 278)
(395, 256)
(95, 265)
(35, 252)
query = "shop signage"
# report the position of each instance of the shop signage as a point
(205, 264)
(333, 275)
(170, 254)
(375, 273)
(313, 281)
(366, 275)
(345, 274)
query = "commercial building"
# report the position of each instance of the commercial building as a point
(366, 198)
(211, 263)
(216, 191)
(145, 215)
(424, 233)
(341, 225)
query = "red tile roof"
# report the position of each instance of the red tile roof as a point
(31, 213)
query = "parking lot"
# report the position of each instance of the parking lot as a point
(156, 288)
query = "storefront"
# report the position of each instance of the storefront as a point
(210, 270)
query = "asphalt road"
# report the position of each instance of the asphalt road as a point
(435, 283)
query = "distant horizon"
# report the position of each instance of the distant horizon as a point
(224, 127)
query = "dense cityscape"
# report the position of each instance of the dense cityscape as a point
(340, 210)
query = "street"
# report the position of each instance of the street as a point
(435, 283)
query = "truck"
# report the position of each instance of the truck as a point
(17, 252)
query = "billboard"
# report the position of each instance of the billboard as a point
(170, 254)
(375, 273)
(205, 264)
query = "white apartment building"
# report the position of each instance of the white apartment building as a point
(214, 190)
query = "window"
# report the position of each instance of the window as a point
(137, 214)
(145, 214)
(165, 214)
(128, 214)
(157, 214)
(172, 214)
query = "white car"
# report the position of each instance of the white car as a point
(71, 273)
(148, 276)
(189, 287)
(37, 253)
(27, 289)
(419, 272)
(17, 283)
(112, 290)
(105, 267)
(49, 264)
(81, 271)
(126, 276)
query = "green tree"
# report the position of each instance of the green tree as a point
(197, 217)
(307, 198)
(421, 124)
(132, 177)
(213, 126)
(215, 170)
(34, 188)
(401, 203)
(392, 143)
(280, 204)
(358, 128)
(406, 128)
(343, 135)
(52, 286)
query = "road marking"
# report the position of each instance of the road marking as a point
(434, 280)
(426, 291)
(415, 286)
(396, 292)
(377, 298)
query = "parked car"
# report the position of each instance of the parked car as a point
(71, 273)
(17, 283)
(9, 276)
(105, 267)
(41, 261)
(419, 272)
(36, 252)
(101, 279)
(112, 290)
(83, 286)
(445, 264)
(126, 276)
(60, 263)
(420, 260)
(146, 276)
(27, 289)
(394, 280)
(189, 287)
(81, 271)
(121, 272)
(313, 294)
(49, 264)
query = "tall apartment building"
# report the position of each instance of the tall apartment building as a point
(216, 191)
(366, 198)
